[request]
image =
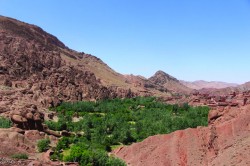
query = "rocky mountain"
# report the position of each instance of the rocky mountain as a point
(208, 85)
(164, 80)
(43, 68)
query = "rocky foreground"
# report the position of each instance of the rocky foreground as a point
(226, 141)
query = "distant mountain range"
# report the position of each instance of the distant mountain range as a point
(200, 84)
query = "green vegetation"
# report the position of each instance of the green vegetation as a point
(110, 123)
(5, 123)
(43, 145)
(20, 156)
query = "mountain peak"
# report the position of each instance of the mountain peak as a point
(163, 76)
(167, 81)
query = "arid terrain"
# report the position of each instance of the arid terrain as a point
(37, 71)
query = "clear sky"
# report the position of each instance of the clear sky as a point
(189, 39)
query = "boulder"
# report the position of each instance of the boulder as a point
(29, 116)
(18, 119)
(213, 115)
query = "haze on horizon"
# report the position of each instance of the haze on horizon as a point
(190, 40)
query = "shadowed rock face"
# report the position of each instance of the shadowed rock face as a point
(226, 141)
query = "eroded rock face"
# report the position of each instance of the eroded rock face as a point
(225, 142)
(33, 70)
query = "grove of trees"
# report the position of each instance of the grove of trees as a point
(106, 124)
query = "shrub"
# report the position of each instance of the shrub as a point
(115, 161)
(43, 145)
(63, 143)
(5, 123)
(20, 156)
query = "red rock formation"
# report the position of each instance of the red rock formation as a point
(33, 68)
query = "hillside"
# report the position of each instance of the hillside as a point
(46, 70)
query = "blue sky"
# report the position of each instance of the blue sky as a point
(189, 39)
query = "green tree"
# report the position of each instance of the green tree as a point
(63, 143)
